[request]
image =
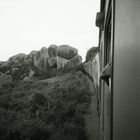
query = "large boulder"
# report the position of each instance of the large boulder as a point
(88, 68)
(76, 60)
(52, 50)
(17, 57)
(43, 57)
(52, 62)
(34, 56)
(91, 53)
(66, 52)
(61, 62)
(62, 56)
(17, 60)
(39, 58)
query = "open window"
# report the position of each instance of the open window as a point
(106, 72)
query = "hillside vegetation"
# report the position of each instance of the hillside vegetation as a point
(50, 109)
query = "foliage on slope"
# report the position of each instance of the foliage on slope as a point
(39, 110)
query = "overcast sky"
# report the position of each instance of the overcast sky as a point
(27, 25)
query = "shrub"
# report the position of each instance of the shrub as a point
(40, 111)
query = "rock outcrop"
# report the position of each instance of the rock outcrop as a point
(76, 60)
(39, 58)
(91, 65)
(91, 53)
(61, 62)
(63, 51)
(16, 59)
(66, 52)
(41, 62)
(52, 50)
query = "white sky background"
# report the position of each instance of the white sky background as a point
(27, 25)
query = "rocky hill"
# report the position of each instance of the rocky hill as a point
(44, 63)
(47, 95)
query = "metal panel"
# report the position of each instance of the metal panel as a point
(126, 77)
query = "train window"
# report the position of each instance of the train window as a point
(108, 39)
